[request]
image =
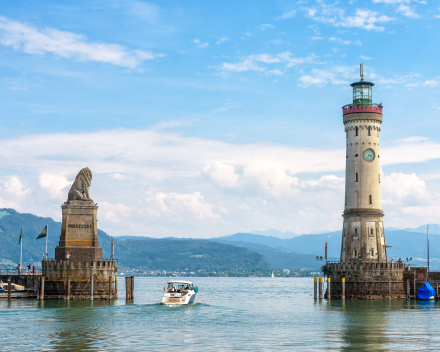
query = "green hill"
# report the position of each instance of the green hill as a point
(140, 252)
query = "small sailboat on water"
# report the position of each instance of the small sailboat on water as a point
(272, 275)
(426, 292)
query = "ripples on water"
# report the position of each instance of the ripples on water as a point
(229, 314)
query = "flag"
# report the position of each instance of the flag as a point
(21, 234)
(43, 233)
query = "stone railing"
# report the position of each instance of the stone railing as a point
(362, 108)
(335, 267)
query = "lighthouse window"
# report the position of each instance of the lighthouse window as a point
(372, 252)
(369, 131)
(357, 129)
(355, 231)
(356, 177)
(371, 230)
(371, 199)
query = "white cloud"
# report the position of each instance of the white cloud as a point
(336, 75)
(114, 212)
(364, 57)
(229, 106)
(430, 83)
(199, 44)
(55, 185)
(266, 26)
(120, 177)
(254, 62)
(345, 42)
(200, 187)
(403, 189)
(336, 16)
(286, 15)
(179, 207)
(15, 188)
(406, 11)
(31, 40)
(221, 40)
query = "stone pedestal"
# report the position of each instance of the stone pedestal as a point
(79, 232)
(79, 237)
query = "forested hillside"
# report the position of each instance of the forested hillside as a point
(139, 253)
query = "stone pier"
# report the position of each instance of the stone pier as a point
(57, 271)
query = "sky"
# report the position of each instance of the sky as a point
(206, 118)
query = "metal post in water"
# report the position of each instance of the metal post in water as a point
(343, 288)
(68, 289)
(315, 288)
(116, 286)
(329, 290)
(91, 288)
(9, 287)
(110, 287)
(320, 288)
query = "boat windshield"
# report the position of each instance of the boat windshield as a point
(179, 287)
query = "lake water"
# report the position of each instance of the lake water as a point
(230, 314)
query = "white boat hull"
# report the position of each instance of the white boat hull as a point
(27, 293)
(170, 299)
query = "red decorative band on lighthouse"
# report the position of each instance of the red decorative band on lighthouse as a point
(362, 108)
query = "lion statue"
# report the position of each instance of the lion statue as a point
(81, 185)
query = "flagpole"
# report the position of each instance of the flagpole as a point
(47, 235)
(21, 245)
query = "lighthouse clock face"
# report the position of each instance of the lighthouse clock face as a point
(369, 155)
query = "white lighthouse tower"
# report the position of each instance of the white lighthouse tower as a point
(363, 238)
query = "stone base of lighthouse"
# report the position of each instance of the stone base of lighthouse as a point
(363, 237)
(369, 281)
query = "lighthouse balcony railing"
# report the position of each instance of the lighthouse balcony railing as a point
(362, 108)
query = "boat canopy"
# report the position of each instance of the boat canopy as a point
(179, 282)
(426, 291)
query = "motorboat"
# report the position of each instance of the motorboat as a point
(179, 293)
(17, 291)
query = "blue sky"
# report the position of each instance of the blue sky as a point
(207, 118)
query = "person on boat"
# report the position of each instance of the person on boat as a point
(28, 268)
(33, 270)
(19, 269)
(400, 261)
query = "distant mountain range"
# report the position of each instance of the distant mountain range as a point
(248, 251)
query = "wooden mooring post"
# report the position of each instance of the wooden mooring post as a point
(116, 285)
(132, 287)
(127, 288)
(42, 288)
(110, 287)
(415, 289)
(437, 291)
(320, 287)
(68, 289)
(91, 288)
(343, 288)
(315, 288)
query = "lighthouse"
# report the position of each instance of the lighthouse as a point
(363, 238)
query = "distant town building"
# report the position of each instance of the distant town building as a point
(286, 271)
